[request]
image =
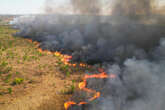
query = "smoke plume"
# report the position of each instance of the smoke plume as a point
(129, 42)
(134, 7)
(87, 6)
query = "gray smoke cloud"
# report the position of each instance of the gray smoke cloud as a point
(141, 87)
(87, 6)
(133, 8)
(130, 43)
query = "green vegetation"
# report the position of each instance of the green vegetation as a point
(4, 68)
(18, 81)
(69, 89)
(23, 67)
(10, 90)
(15, 54)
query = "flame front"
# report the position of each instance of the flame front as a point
(82, 86)
(68, 104)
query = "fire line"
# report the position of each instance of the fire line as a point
(82, 86)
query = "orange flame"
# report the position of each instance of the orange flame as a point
(97, 95)
(66, 60)
(82, 86)
(82, 103)
(82, 65)
(101, 76)
(68, 104)
(29, 40)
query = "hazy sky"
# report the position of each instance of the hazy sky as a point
(25, 6)
(20, 6)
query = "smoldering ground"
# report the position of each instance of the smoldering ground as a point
(129, 42)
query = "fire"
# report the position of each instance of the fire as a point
(68, 104)
(74, 65)
(97, 95)
(82, 86)
(57, 54)
(101, 76)
(44, 51)
(82, 103)
(34, 42)
(82, 65)
(29, 40)
(40, 50)
(65, 59)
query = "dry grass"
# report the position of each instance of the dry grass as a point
(30, 80)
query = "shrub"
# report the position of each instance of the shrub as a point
(17, 81)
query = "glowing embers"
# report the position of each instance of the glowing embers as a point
(83, 86)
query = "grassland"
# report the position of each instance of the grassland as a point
(31, 80)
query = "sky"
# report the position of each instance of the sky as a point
(23, 6)
(161, 2)
(26, 6)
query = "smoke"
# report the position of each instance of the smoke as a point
(93, 38)
(129, 43)
(133, 8)
(87, 6)
(56, 7)
(118, 7)
(141, 87)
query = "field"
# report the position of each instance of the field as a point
(31, 79)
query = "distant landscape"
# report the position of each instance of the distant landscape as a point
(5, 19)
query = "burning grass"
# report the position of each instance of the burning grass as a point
(37, 79)
(83, 87)
(32, 53)
(64, 63)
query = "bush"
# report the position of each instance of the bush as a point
(17, 81)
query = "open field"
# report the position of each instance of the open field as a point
(32, 80)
